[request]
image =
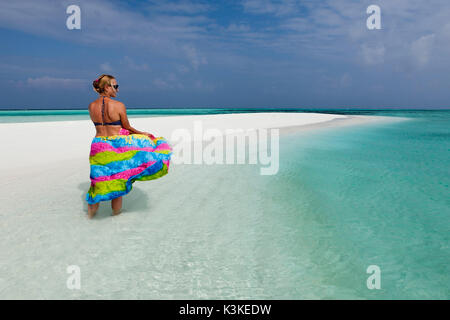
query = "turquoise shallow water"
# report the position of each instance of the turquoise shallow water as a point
(344, 199)
(12, 116)
(36, 115)
(372, 195)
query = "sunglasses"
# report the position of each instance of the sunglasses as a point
(115, 86)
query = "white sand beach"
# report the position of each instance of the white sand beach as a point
(36, 145)
(158, 248)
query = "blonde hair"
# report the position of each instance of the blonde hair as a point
(100, 83)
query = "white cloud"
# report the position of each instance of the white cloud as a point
(169, 81)
(372, 55)
(300, 24)
(107, 23)
(199, 84)
(336, 82)
(55, 83)
(133, 66)
(193, 56)
(106, 67)
(182, 68)
(421, 49)
(186, 7)
(160, 84)
(277, 8)
(233, 27)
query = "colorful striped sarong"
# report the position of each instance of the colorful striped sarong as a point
(117, 161)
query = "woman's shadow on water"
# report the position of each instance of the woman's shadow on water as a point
(135, 200)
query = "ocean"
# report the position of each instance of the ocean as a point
(344, 199)
(370, 195)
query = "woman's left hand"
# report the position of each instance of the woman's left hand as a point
(149, 135)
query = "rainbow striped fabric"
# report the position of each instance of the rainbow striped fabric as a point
(117, 161)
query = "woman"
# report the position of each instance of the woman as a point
(120, 154)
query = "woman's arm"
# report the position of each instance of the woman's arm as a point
(125, 122)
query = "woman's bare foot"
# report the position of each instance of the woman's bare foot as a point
(92, 210)
(117, 212)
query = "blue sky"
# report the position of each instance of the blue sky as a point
(242, 53)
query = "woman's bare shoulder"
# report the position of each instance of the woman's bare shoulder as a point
(90, 105)
(117, 103)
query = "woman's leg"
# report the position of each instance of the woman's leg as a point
(116, 205)
(92, 209)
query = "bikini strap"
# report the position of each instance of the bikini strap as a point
(103, 111)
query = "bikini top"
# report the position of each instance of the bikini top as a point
(115, 123)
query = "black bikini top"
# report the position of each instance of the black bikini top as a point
(115, 123)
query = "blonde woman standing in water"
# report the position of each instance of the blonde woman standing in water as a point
(120, 154)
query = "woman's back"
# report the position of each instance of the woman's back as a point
(104, 112)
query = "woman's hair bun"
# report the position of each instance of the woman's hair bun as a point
(100, 83)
